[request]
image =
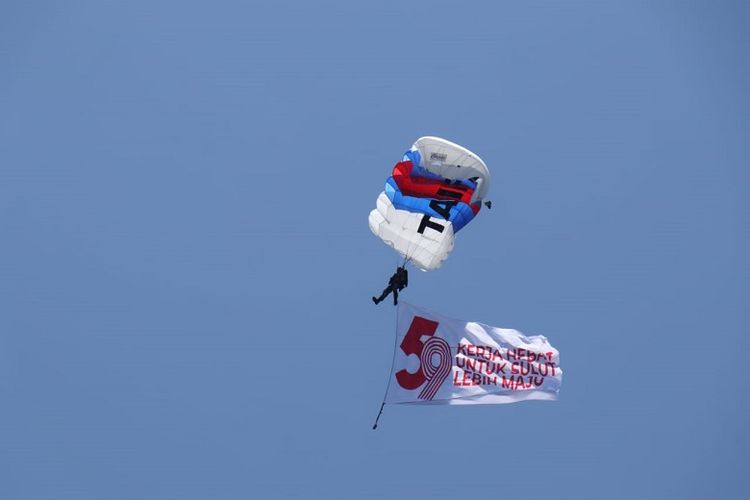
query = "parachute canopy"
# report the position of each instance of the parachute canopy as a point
(433, 192)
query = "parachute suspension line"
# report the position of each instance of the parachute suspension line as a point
(393, 363)
(400, 262)
(411, 249)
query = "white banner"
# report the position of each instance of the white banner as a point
(439, 360)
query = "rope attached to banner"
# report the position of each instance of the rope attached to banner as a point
(393, 361)
(375, 425)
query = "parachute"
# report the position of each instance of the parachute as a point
(435, 190)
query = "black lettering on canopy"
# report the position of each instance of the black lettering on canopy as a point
(443, 207)
(427, 222)
(456, 195)
(455, 184)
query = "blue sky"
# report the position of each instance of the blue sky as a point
(185, 262)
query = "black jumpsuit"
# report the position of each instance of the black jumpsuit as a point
(396, 283)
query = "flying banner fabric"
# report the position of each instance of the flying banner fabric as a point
(438, 360)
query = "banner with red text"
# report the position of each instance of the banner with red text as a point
(439, 360)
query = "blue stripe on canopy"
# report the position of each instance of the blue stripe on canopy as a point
(460, 213)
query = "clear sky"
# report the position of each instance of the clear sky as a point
(186, 267)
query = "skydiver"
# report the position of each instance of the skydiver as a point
(396, 283)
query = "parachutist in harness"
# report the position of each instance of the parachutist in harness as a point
(396, 283)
